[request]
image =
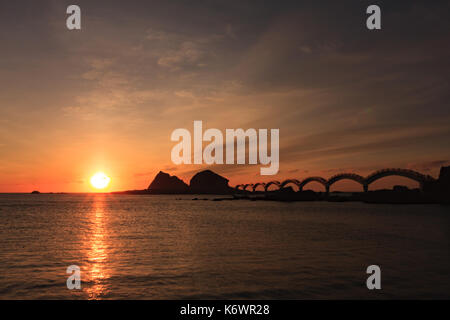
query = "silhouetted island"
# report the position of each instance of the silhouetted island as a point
(209, 182)
(35, 192)
(164, 183)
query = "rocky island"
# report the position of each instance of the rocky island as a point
(164, 183)
(208, 182)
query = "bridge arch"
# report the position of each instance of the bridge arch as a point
(407, 173)
(347, 176)
(266, 187)
(245, 186)
(288, 181)
(256, 185)
(311, 179)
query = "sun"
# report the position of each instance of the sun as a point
(100, 180)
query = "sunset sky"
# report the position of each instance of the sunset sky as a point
(108, 97)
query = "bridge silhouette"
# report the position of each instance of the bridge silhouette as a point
(364, 181)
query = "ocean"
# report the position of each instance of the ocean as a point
(171, 247)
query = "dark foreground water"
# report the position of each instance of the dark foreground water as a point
(158, 247)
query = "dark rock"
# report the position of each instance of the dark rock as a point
(444, 174)
(35, 192)
(444, 179)
(167, 184)
(444, 185)
(208, 182)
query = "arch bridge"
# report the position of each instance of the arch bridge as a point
(364, 181)
(407, 173)
(347, 176)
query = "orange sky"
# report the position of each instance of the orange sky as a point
(108, 97)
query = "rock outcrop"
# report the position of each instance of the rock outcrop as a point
(210, 183)
(167, 184)
(444, 176)
(444, 184)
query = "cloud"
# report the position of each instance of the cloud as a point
(428, 166)
(188, 54)
(178, 51)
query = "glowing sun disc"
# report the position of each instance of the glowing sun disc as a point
(100, 180)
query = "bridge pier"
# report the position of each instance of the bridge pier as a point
(366, 187)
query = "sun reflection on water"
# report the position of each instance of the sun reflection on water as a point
(97, 253)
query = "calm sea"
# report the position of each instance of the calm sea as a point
(171, 247)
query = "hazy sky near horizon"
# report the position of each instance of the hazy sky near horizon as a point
(108, 97)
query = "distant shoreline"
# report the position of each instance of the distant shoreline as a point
(372, 197)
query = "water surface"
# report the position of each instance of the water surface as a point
(170, 247)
